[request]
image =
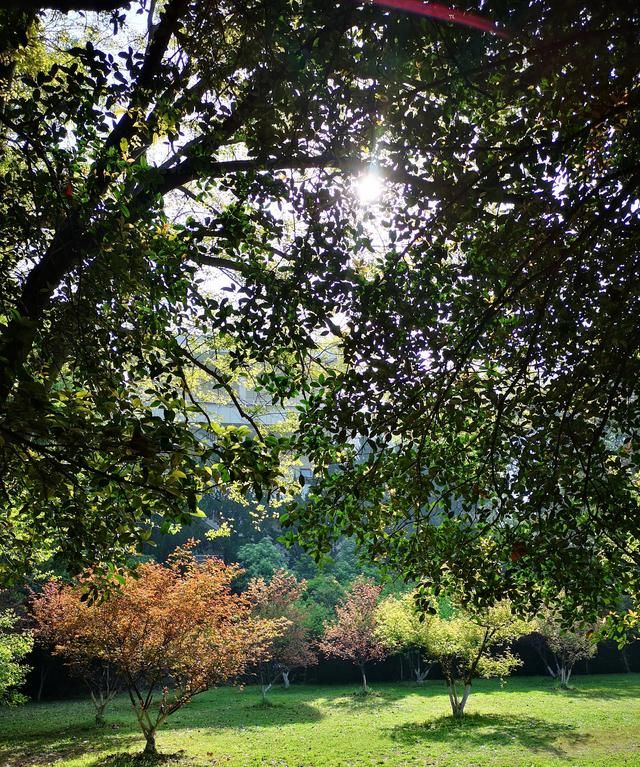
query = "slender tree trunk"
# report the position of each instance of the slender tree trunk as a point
(422, 673)
(285, 679)
(538, 646)
(564, 675)
(101, 700)
(624, 656)
(265, 689)
(364, 679)
(551, 672)
(458, 703)
(99, 705)
(42, 680)
(465, 697)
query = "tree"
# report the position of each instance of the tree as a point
(474, 645)
(14, 646)
(100, 150)
(69, 626)
(353, 636)
(487, 329)
(262, 559)
(134, 179)
(347, 562)
(567, 645)
(170, 631)
(279, 600)
(487, 412)
(402, 628)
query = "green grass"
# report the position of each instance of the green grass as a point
(526, 723)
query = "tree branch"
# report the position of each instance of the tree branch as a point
(126, 126)
(226, 386)
(194, 167)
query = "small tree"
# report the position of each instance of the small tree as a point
(468, 646)
(173, 632)
(69, 626)
(14, 646)
(353, 636)
(567, 645)
(278, 601)
(403, 629)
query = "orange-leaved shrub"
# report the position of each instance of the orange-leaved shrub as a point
(170, 631)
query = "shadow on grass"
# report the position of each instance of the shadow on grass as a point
(489, 730)
(65, 741)
(140, 760)
(357, 700)
(251, 712)
(72, 742)
(593, 692)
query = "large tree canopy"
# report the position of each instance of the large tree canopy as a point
(235, 109)
(485, 305)
(491, 352)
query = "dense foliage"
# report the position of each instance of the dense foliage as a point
(476, 406)
(491, 344)
(403, 628)
(14, 646)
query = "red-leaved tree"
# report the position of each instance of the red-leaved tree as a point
(278, 600)
(68, 626)
(170, 631)
(353, 636)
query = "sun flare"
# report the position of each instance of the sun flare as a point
(369, 187)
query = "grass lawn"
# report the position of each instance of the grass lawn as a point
(526, 723)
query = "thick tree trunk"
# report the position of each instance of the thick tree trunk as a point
(74, 241)
(100, 720)
(67, 247)
(285, 679)
(150, 747)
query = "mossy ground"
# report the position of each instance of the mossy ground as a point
(526, 723)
